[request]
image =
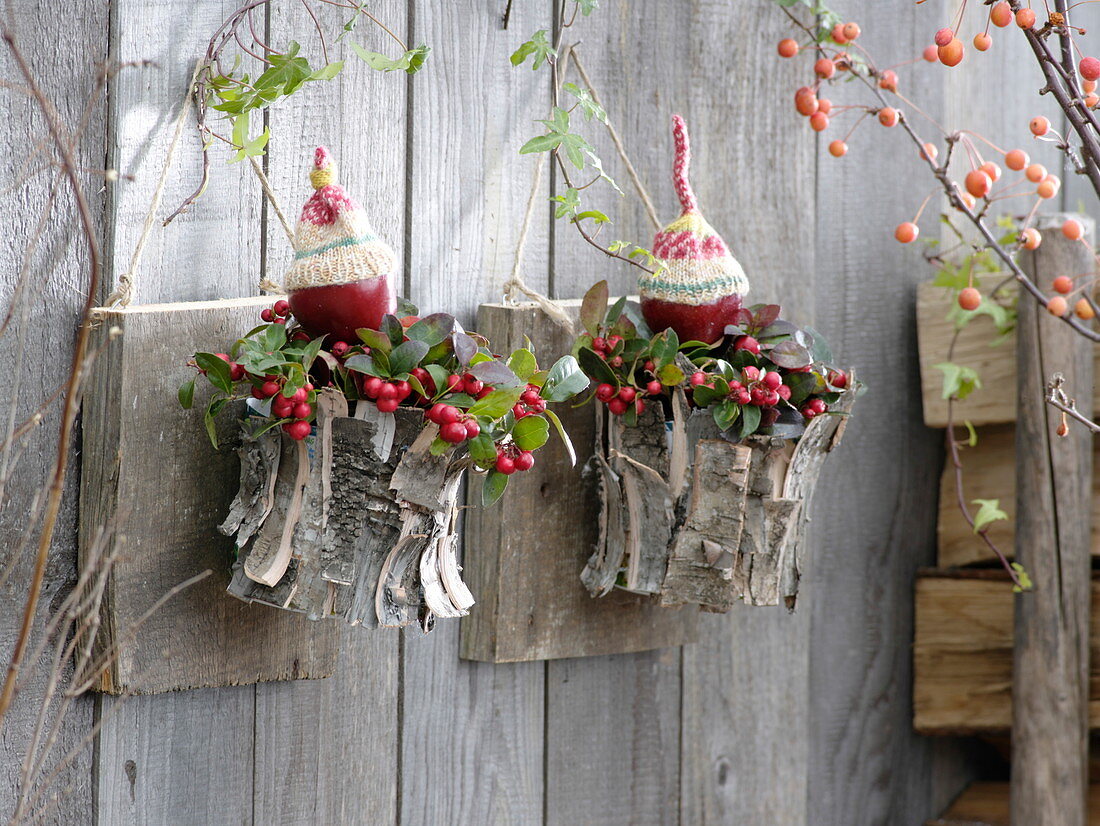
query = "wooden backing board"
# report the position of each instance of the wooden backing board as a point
(989, 472)
(148, 466)
(986, 804)
(996, 365)
(962, 653)
(524, 555)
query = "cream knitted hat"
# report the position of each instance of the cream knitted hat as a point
(697, 265)
(334, 242)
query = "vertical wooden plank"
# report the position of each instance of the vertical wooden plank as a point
(36, 350)
(876, 499)
(210, 252)
(327, 752)
(472, 733)
(1050, 674)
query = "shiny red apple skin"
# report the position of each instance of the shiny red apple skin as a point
(340, 309)
(701, 322)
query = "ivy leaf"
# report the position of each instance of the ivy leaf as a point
(538, 47)
(565, 440)
(531, 432)
(588, 6)
(586, 103)
(989, 511)
(566, 379)
(567, 203)
(327, 72)
(1025, 580)
(541, 143)
(412, 61)
(594, 307)
(186, 393)
(595, 162)
(493, 489)
(972, 434)
(958, 381)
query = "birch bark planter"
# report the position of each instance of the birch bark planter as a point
(694, 519)
(357, 522)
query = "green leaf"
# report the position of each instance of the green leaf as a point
(273, 338)
(972, 437)
(212, 409)
(725, 414)
(365, 364)
(705, 396)
(989, 511)
(566, 379)
(1022, 575)
(588, 6)
(433, 329)
(596, 368)
(958, 381)
(217, 371)
(411, 61)
(531, 432)
(186, 393)
(540, 143)
(493, 489)
(664, 347)
(406, 356)
(482, 450)
(567, 204)
(750, 420)
(439, 447)
(558, 426)
(375, 339)
(586, 102)
(327, 72)
(496, 404)
(594, 307)
(670, 375)
(522, 363)
(538, 46)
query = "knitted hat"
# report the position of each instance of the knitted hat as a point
(334, 242)
(697, 265)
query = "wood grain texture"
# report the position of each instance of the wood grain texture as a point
(1050, 675)
(962, 653)
(876, 499)
(472, 733)
(986, 804)
(45, 301)
(990, 473)
(326, 751)
(533, 605)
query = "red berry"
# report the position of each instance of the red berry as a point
(525, 460)
(851, 30)
(650, 366)
(943, 37)
(529, 397)
(505, 464)
(617, 361)
(473, 429)
(617, 406)
(978, 183)
(888, 116)
(338, 348)
(1039, 126)
(257, 393)
(433, 412)
(654, 388)
(819, 121)
(758, 396)
(372, 386)
(298, 430)
(772, 398)
(1063, 284)
(308, 386)
(751, 373)
(267, 315)
(639, 406)
(519, 411)
(807, 411)
(838, 378)
(784, 392)
(627, 394)
(281, 407)
(744, 397)
(747, 343)
(282, 307)
(1025, 18)
(449, 414)
(805, 101)
(788, 47)
(299, 395)
(888, 80)
(300, 335)
(605, 392)
(907, 232)
(772, 380)
(698, 378)
(817, 405)
(453, 432)
(387, 405)
(952, 53)
(387, 391)
(269, 389)
(538, 406)
(969, 298)
(454, 383)
(598, 344)
(472, 385)
(838, 149)
(613, 342)
(402, 388)
(279, 320)
(236, 372)
(302, 411)
(824, 68)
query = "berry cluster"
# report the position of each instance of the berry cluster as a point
(510, 459)
(455, 425)
(530, 402)
(619, 401)
(609, 349)
(387, 395)
(294, 406)
(277, 313)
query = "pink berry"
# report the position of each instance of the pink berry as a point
(269, 389)
(654, 388)
(453, 432)
(605, 392)
(372, 386)
(838, 378)
(1090, 68)
(943, 37)
(751, 373)
(519, 411)
(747, 343)
(473, 429)
(617, 406)
(302, 411)
(627, 394)
(387, 391)
(300, 395)
(298, 430)
(473, 386)
(772, 380)
(433, 412)
(613, 342)
(402, 389)
(282, 407)
(387, 405)
(698, 378)
(449, 414)
(598, 344)
(529, 397)
(784, 392)
(236, 372)
(639, 406)
(650, 366)
(282, 307)
(454, 383)
(617, 361)
(525, 460)
(505, 464)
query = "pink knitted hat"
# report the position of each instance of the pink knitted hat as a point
(697, 265)
(334, 242)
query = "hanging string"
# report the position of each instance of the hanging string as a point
(266, 284)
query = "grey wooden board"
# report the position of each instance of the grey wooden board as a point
(472, 733)
(140, 449)
(536, 607)
(36, 352)
(875, 506)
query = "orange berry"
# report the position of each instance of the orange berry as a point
(805, 101)
(838, 149)
(967, 199)
(1039, 126)
(970, 298)
(1082, 309)
(943, 37)
(824, 105)
(1048, 187)
(978, 183)
(982, 42)
(907, 232)
(992, 170)
(819, 121)
(838, 34)
(931, 54)
(1091, 99)
(788, 47)
(843, 62)
(888, 116)
(1088, 86)
(1073, 230)
(824, 68)
(1016, 160)
(952, 53)
(851, 31)
(1056, 305)
(1035, 173)
(1063, 284)
(1025, 18)
(929, 152)
(1089, 67)
(1001, 14)
(1032, 238)
(888, 80)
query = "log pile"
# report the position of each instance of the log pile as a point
(358, 522)
(694, 519)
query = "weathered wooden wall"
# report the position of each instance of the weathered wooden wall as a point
(770, 719)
